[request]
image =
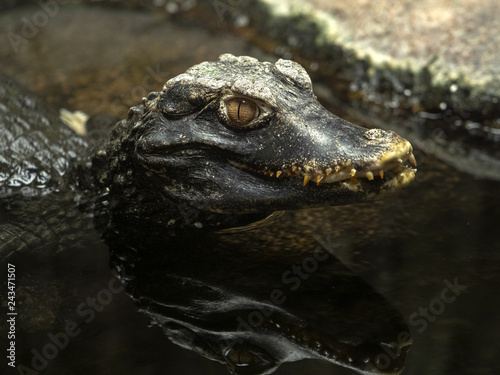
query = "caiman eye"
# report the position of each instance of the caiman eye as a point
(241, 358)
(242, 111)
(248, 360)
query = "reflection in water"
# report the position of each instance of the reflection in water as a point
(254, 310)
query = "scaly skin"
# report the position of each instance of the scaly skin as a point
(39, 206)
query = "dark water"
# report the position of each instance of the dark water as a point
(432, 251)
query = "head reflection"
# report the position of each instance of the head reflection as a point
(254, 311)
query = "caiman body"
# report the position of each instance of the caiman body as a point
(222, 146)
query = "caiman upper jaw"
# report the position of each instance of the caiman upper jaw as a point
(386, 165)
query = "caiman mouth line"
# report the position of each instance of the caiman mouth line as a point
(343, 352)
(392, 163)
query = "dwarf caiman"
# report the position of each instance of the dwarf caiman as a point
(221, 146)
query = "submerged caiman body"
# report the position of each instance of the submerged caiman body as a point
(221, 147)
(39, 207)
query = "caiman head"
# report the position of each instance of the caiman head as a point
(239, 136)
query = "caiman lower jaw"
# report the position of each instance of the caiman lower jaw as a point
(390, 167)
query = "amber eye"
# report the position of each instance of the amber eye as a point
(247, 359)
(241, 357)
(242, 111)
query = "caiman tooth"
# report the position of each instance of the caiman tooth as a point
(381, 174)
(278, 174)
(400, 177)
(412, 159)
(271, 174)
(318, 179)
(369, 176)
(353, 172)
(328, 171)
(306, 179)
(337, 169)
(294, 169)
